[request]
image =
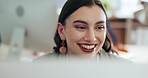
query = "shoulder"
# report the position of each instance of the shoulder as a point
(104, 56)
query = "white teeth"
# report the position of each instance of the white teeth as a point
(88, 46)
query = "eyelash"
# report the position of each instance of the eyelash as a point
(100, 27)
(80, 27)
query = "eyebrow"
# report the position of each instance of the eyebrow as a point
(100, 22)
(80, 21)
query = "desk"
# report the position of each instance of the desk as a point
(26, 54)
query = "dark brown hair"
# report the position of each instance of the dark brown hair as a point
(70, 7)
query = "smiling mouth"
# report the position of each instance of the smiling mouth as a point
(87, 48)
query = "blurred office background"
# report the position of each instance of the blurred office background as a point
(128, 20)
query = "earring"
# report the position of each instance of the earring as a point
(62, 48)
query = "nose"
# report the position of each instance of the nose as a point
(90, 36)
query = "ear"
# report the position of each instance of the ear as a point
(61, 31)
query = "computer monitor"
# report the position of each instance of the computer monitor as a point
(72, 70)
(37, 17)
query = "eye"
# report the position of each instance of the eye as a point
(80, 27)
(100, 27)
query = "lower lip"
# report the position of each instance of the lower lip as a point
(86, 50)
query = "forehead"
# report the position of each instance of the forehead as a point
(88, 13)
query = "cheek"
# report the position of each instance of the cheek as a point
(73, 35)
(101, 36)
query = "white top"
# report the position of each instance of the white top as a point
(102, 57)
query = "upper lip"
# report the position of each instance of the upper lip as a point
(86, 47)
(86, 44)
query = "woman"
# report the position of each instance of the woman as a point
(82, 31)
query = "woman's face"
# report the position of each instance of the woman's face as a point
(85, 31)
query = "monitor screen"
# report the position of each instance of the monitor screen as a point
(37, 17)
